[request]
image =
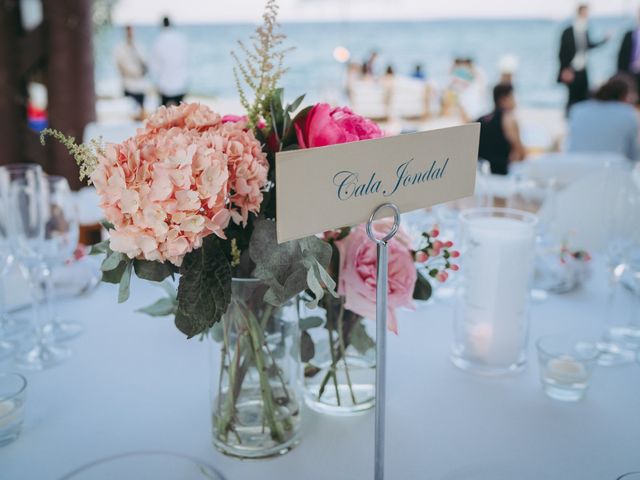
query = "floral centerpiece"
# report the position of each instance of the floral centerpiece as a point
(191, 197)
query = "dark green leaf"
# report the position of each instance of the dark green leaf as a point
(293, 106)
(160, 308)
(307, 348)
(153, 271)
(114, 276)
(422, 289)
(310, 322)
(107, 225)
(125, 281)
(111, 261)
(204, 291)
(360, 340)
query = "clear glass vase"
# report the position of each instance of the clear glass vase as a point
(256, 375)
(339, 357)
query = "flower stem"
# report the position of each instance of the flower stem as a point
(343, 353)
(334, 362)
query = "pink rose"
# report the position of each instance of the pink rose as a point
(357, 283)
(325, 125)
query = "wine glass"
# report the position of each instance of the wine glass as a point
(6, 348)
(28, 215)
(60, 240)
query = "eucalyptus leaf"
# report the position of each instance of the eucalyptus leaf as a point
(360, 339)
(99, 248)
(111, 261)
(107, 225)
(307, 348)
(160, 308)
(217, 332)
(114, 276)
(169, 289)
(204, 292)
(125, 282)
(306, 323)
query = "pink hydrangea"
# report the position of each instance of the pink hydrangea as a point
(183, 177)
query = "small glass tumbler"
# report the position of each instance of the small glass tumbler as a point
(12, 396)
(566, 365)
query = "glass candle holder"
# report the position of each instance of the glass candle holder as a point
(12, 396)
(491, 322)
(566, 365)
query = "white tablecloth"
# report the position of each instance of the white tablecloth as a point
(134, 383)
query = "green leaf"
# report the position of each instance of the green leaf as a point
(125, 281)
(204, 292)
(310, 322)
(107, 225)
(217, 332)
(293, 106)
(114, 276)
(169, 289)
(111, 261)
(160, 308)
(99, 248)
(359, 338)
(291, 267)
(153, 271)
(307, 348)
(422, 289)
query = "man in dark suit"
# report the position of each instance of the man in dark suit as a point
(629, 55)
(574, 45)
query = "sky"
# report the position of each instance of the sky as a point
(213, 11)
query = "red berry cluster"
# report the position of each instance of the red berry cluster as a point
(436, 255)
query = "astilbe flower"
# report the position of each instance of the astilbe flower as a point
(182, 177)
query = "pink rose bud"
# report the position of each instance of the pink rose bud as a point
(455, 254)
(442, 277)
(454, 267)
(434, 232)
(448, 244)
(421, 257)
(438, 245)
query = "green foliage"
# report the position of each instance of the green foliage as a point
(360, 339)
(422, 289)
(153, 271)
(307, 348)
(291, 267)
(310, 322)
(85, 154)
(164, 306)
(204, 292)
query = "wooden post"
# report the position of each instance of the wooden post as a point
(69, 76)
(12, 96)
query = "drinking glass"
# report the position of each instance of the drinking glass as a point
(566, 365)
(6, 348)
(28, 216)
(60, 241)
(12, 397)
(621, 336)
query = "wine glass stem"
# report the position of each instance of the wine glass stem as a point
(49, 295)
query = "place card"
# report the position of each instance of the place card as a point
(323, 188)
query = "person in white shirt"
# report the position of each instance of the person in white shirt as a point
(169, 64)
(574, 45)
(132, 69)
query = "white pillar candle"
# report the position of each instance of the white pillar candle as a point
(497, 266)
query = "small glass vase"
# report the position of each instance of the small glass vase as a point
(256, 375)
(339, 356)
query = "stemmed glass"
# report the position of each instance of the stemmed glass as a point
(6, 348)
(60, 240)
(28, 215)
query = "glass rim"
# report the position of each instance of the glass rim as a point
(21, 378)
(528, 217)
(140, 453)
(571, 339)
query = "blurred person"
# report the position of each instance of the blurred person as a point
(500, 142)
(368, 66)
(418, 72)
(629, 54)
(168, 63)
(388, 83)
(132, 70)
(575, 44)
(507, 65)
(608, 122)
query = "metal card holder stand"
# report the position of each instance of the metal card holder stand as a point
(382, 281)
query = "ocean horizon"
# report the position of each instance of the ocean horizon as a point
(402, 44)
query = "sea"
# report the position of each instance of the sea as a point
(312, 68)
